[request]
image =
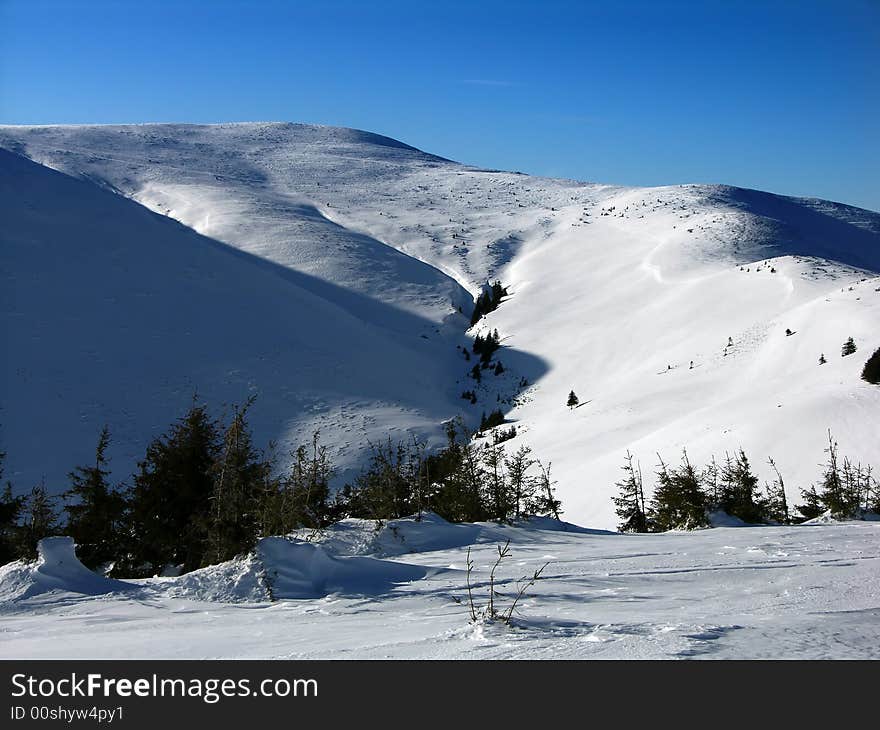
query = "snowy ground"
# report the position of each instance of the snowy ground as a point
(322, 268)
(805, 592)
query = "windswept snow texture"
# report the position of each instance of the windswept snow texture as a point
(323, 268)
(806, 592)
(288, 569)
(56, 572)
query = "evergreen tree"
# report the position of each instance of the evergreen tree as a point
(495, 418)
(678, 502)
(836, 494)
(306, 488)
(498, 292)
(488, 301)
(739, 490)
(471, 477)
(95, 516)
(10, 511)
(665, 513)
(501, 501)
(822, 359)
(170, 500)
(841, 490)
(546, 502)
(457, 490)
(383, 491)
(849, 347)
(776, 507)
(630, 501)
(572, 400)
(871, 371)
(873, 492)
(522, 485)
(711, 484)
(39, 520)
(812, 506)
(238, 474)
(852, 485)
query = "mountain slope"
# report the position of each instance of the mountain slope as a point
(113, 314)
(371, 247)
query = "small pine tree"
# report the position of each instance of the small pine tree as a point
(501, 498)
(546, 502)
(488, 301)
(232, 522)
(739, 490)
(39, 520)
(835, 493)
(313, 484)
(630, 502)
(521, 484)
(170, 501)
(822, 359)
(841, 490)
(96, 514)
(679, 502)
(495, 418)
(812, 506)
(871, 371)
(849, 347)
(711, 484)
(664, 513)
(572, 401)
(10, 511)
(776, 504)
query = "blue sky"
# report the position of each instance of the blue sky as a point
(781, 96)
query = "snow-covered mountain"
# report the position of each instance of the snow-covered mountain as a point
(324, 269)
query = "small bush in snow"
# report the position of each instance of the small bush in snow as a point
(492, 611)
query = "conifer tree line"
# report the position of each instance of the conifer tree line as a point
(485, 348)
(488, 301)
(204, 493)
(684, 495)
(462, 482)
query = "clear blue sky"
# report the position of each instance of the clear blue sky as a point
(782, 96)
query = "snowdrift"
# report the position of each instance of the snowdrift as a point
(395, 537)
(301, 570)
(56, 570)
(279, 569)
(236, 581)
(283, 568)
(430, 533)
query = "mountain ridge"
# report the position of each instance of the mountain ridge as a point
(402, 240)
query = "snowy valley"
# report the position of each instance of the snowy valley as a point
(332, 274)
(323, 270)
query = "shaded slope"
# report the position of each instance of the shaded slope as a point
(116, 315)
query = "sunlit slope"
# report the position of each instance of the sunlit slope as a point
(637, 313)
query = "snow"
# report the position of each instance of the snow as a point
(322, 268)
(804, 592)
(55, 571)
(300, 570)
